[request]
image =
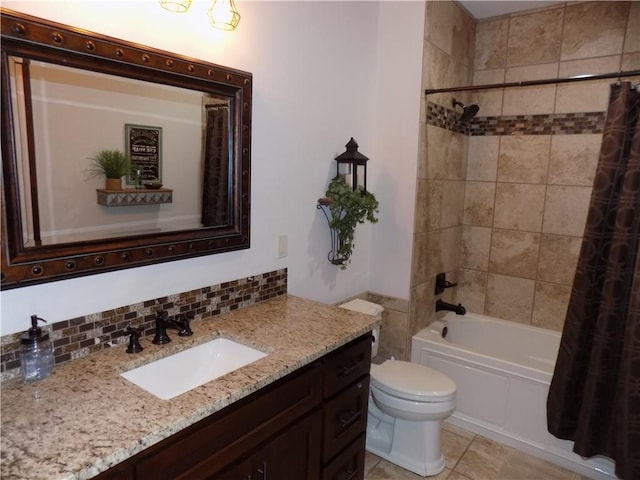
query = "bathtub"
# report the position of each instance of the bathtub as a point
(502, 371)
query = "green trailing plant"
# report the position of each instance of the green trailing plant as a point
(348, 208)
(110, 163)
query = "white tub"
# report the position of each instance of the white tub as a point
(503, 371)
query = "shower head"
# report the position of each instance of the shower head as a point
(468, 112)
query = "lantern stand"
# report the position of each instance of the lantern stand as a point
(352, 167)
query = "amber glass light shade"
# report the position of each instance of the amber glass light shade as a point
(224, 15)
(177, 6)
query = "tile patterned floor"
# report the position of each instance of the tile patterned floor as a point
(472, 457)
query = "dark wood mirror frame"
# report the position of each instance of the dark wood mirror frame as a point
(38, 39)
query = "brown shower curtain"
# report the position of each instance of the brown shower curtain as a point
(215, 191)
(594, 398)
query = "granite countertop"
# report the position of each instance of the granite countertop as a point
(88, 418)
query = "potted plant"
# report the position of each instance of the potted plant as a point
(348, 208)
(113, 164)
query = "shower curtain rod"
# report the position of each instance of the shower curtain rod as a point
(527, 83)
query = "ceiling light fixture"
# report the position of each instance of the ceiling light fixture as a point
(224, 15)
(177, 6)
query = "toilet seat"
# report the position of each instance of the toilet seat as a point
(411, 381)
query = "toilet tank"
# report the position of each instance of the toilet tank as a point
(368, 308)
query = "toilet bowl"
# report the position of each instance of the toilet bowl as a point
(407, 403)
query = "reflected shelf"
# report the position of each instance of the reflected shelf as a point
(133, 197)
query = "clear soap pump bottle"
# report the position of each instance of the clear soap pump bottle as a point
(37, 352)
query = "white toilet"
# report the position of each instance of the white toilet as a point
(407, 403)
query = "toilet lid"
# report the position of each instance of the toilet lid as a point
(412, 381)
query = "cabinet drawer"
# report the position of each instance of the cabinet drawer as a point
(348, 465)
(348, 364)
(345, 417)
(214, 443)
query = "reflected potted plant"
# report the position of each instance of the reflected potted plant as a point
(113, 164)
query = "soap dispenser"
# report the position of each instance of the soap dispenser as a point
(37, 352)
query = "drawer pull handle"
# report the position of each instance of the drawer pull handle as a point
(263, 471)
(351, 474)
(350, 420)
(347, 370)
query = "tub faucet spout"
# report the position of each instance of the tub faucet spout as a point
(458, 309)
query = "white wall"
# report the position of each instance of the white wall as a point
(322, 73)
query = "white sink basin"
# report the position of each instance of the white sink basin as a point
(171, 376)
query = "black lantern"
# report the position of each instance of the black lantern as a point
(352, 165)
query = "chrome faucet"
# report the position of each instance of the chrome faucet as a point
(458, 309)
(180, 322)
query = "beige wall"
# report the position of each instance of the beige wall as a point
(527, 195)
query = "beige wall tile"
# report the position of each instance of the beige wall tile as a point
(478, 203)
(476, 245)
(464, 36)
(535, 38)
(530, 100)
(523, 158)
(452, 203)
(450, 240)
(421, 307)
(446, 153)
(439, 71)
(489, 101)
(442, 70)
(395, 326)
(422, 170)
(509, 298)
(565, 211)
(593, 29)
(425, 254)
(632, 38)
(558, 258)
(631, 61)
(491, 43)
(389, 303)
(519, 206)
(471, 290)
(514, 253)
(590, 96)
(439, 25)
(586, 66)
(482, 162)
(573, 159)
(550, 305)
(428, 205)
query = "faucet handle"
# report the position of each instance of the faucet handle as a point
(134, 340)
(184, 319)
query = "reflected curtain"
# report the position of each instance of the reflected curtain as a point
(215, 191)
(594, 398)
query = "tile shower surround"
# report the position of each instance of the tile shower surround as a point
(537, 124)
(84, 335)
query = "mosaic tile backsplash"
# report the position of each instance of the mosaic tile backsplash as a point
(79, 337)
(538, 124)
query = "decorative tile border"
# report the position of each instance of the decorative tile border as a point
(446, 118)
(540, 124)
(82, 336)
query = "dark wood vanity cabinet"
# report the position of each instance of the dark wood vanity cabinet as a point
(309, 425)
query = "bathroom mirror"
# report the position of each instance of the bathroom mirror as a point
(186, 123)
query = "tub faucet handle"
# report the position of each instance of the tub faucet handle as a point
(442, 283)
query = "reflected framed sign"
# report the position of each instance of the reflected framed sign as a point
(143, 144)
